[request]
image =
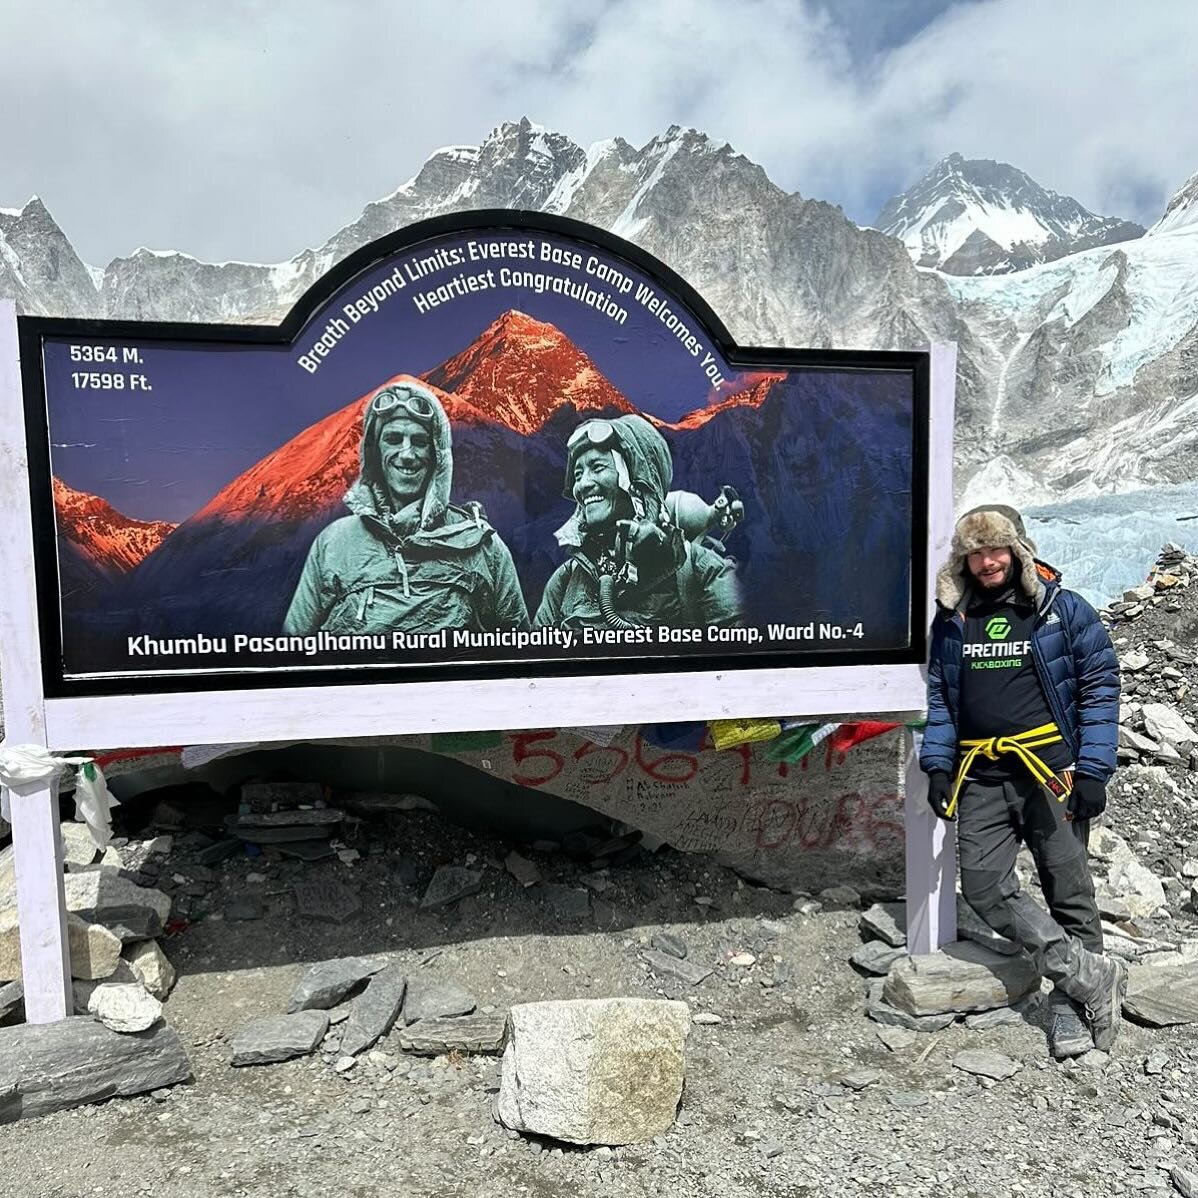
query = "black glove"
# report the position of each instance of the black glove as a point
(940, 793)
(1087, 798)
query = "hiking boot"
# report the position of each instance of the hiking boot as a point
(1068, 1036)
(1105, 1003)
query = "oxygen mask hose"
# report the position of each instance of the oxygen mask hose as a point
(607, 603)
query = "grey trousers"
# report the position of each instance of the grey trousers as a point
(993, 818)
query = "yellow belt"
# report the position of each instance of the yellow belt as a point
(1021, 745)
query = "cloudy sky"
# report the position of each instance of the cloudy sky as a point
(250, 130)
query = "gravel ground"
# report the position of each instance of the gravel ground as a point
(766, 1109)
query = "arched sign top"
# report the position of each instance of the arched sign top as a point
(609, 251)
(492, 445)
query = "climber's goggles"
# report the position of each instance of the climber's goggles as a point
(597, 432)
(1022, 745)
(413, 402)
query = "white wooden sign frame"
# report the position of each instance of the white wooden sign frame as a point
(314, 713)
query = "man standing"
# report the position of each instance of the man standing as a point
(1023, 712)
(406, 559)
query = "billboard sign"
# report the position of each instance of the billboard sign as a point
(492, 445)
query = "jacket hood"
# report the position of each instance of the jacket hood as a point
(992, 525)
(645, 478)
(369, 495)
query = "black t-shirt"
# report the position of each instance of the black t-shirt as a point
(1001, 693)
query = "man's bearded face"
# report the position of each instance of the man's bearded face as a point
(406, 457)
(596, 487)
(991, 567)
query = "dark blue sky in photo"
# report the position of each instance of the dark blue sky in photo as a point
(216, 410)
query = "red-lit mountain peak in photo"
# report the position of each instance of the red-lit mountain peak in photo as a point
(752, 392)
(108, 539)
(520, 371)
(309, 474)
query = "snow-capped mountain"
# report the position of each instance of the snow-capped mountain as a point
(39, 269)
(1075, 373)
(979, 217)
(1182, 210)
(113, 541)
(521, 370)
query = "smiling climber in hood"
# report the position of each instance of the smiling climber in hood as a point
(631, 563)
(406, 559)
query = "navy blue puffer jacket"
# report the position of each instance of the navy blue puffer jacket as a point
(1077, 668)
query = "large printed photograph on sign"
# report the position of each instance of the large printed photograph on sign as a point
(493, 446)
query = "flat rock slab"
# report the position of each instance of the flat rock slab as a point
(877, 957)
(982, 1063)
(312, 818)
(671, 945)
(373, 1012)
(467, 1033)
(54, 1066)
(886, 922)
(325, 984)
(326, 900)
(859, 1079)
(281, 835)
(1003, 1016)
(105, 897)
(1163, 722)
(524, 871)
(594, 1071)
(450, 883)
(431, 999)
(686, 971)
(961, 977)
(566, 902)
(897, 1038)
(279, 1038)
(880, 1011)
(1162, 995)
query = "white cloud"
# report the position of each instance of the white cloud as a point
(251, 130)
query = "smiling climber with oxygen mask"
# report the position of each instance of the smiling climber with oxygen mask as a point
(1023, 713)
(641, 555)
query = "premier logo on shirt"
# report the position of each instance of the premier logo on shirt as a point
(997, 654)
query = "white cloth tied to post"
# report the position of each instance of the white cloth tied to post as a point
(25, 769)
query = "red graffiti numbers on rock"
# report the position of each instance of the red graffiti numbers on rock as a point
(669, 767)
(536, 764)
(523, 750)
(854, 822)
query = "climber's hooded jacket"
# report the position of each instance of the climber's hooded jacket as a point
(694, 587)
(428, 566)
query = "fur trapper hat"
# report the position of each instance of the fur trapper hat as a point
(991, 525)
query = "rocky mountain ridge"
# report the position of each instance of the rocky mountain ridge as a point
(980, 217)
(1079, 375)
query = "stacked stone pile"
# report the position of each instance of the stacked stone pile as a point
(122, 976)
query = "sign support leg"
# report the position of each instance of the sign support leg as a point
(931, 849)
(41, 904)
(37, 841)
